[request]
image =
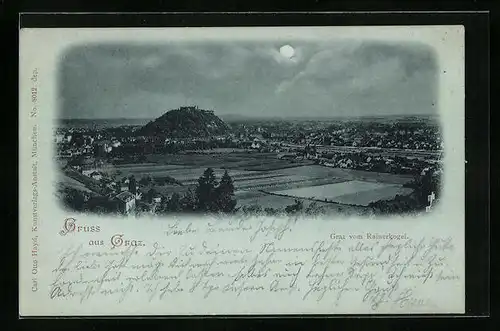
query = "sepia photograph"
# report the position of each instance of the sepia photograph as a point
(273, 128)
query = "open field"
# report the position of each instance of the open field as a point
(275, 201)
(145, 166)
(250, 161)
(365, 197)
(69, 182)
(288, 184)
(183, 174)
(216, 151)
(351, 174)
(348, 192)
(331, 191)
(341, 186)
(257, 177)
(247, 164)
(272, 201)
(348, 174)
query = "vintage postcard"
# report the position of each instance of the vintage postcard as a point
(248, 171)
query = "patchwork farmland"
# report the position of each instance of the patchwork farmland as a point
(269, 182)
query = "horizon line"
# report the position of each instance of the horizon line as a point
(256, 117)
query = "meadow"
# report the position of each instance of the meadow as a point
(73, 184)
(262, 179)
(365, 197)
(331, 191)
(353, 192)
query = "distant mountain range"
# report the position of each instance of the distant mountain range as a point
(185, 122)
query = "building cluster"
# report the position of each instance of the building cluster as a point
(411, 136)
(379, 163)
(82, 142)
(379, 147)
(277, 137)
(125, 195)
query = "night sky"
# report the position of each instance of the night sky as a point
(340, 78)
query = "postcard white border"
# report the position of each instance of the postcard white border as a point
(41, 49)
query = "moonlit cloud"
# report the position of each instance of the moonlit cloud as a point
(152, 61)
(254, 79)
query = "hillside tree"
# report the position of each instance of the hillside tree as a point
(74, 199)
(132, 185)
(205, 191)
(146, 180)
(188, 201)
(295, 208)
(225, 199)
(174, 203)
(150, 195)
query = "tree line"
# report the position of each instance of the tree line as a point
(422, 185)
(209, 195)
(213, 196)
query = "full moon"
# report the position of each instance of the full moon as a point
(287, 51)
